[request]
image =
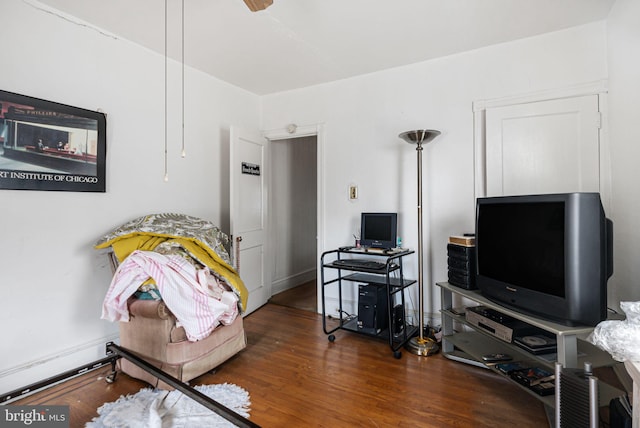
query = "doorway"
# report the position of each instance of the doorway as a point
(294, 221)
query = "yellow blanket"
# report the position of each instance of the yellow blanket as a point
(147, 241)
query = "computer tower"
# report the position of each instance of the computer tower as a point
(372, 308)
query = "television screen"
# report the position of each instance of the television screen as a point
(526, 246)
(378, 230)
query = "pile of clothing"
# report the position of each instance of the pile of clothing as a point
(183, 261)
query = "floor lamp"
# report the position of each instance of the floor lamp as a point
(420, 345)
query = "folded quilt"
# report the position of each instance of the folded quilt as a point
(195, 297)
(169, 234)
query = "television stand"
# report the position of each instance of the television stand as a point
(469, 343)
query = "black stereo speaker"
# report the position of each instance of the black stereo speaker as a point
(461, 262)
(398, 320)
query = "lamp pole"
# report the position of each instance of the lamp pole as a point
(420, 345)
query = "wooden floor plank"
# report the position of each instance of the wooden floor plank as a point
(296, 377)
(303, 296)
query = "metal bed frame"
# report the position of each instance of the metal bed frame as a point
(114, 353)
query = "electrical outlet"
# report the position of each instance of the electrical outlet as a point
(353, 192)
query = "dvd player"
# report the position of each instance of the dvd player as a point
(493, 322)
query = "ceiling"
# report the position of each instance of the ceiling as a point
(298, 43)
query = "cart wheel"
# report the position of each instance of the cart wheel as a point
(332, 338)
(397, 355)
(111, 377)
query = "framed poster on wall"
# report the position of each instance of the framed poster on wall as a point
(50, 146)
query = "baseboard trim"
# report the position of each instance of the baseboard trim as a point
(51, 365)
(292, 281)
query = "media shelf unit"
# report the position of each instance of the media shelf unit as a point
(389, 278)
(469, 346)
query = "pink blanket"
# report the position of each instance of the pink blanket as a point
(198, 301)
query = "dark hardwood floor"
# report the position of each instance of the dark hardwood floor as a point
(304, 296)
(296, 377)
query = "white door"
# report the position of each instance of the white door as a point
(248, 213)
(543, 147)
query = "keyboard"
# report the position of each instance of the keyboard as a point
(359, 264)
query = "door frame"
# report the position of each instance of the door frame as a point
(599, 87)
(291, 132)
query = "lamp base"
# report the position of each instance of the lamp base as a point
(422, 346)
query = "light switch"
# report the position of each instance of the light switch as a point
(353, 192)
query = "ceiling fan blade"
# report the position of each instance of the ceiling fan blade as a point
(256, 5)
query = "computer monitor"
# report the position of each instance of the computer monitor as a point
(378, 230)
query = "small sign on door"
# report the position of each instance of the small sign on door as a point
(250, 168)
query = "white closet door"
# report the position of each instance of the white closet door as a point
(543, 147)
(248, 212)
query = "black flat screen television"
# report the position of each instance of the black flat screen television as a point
(548, 255)
(379, 230)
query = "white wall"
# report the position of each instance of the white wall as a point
(623, 38)
(293, 210)
(363, 116)
(52, 281)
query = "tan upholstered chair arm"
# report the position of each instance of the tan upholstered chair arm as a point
(154, 309)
